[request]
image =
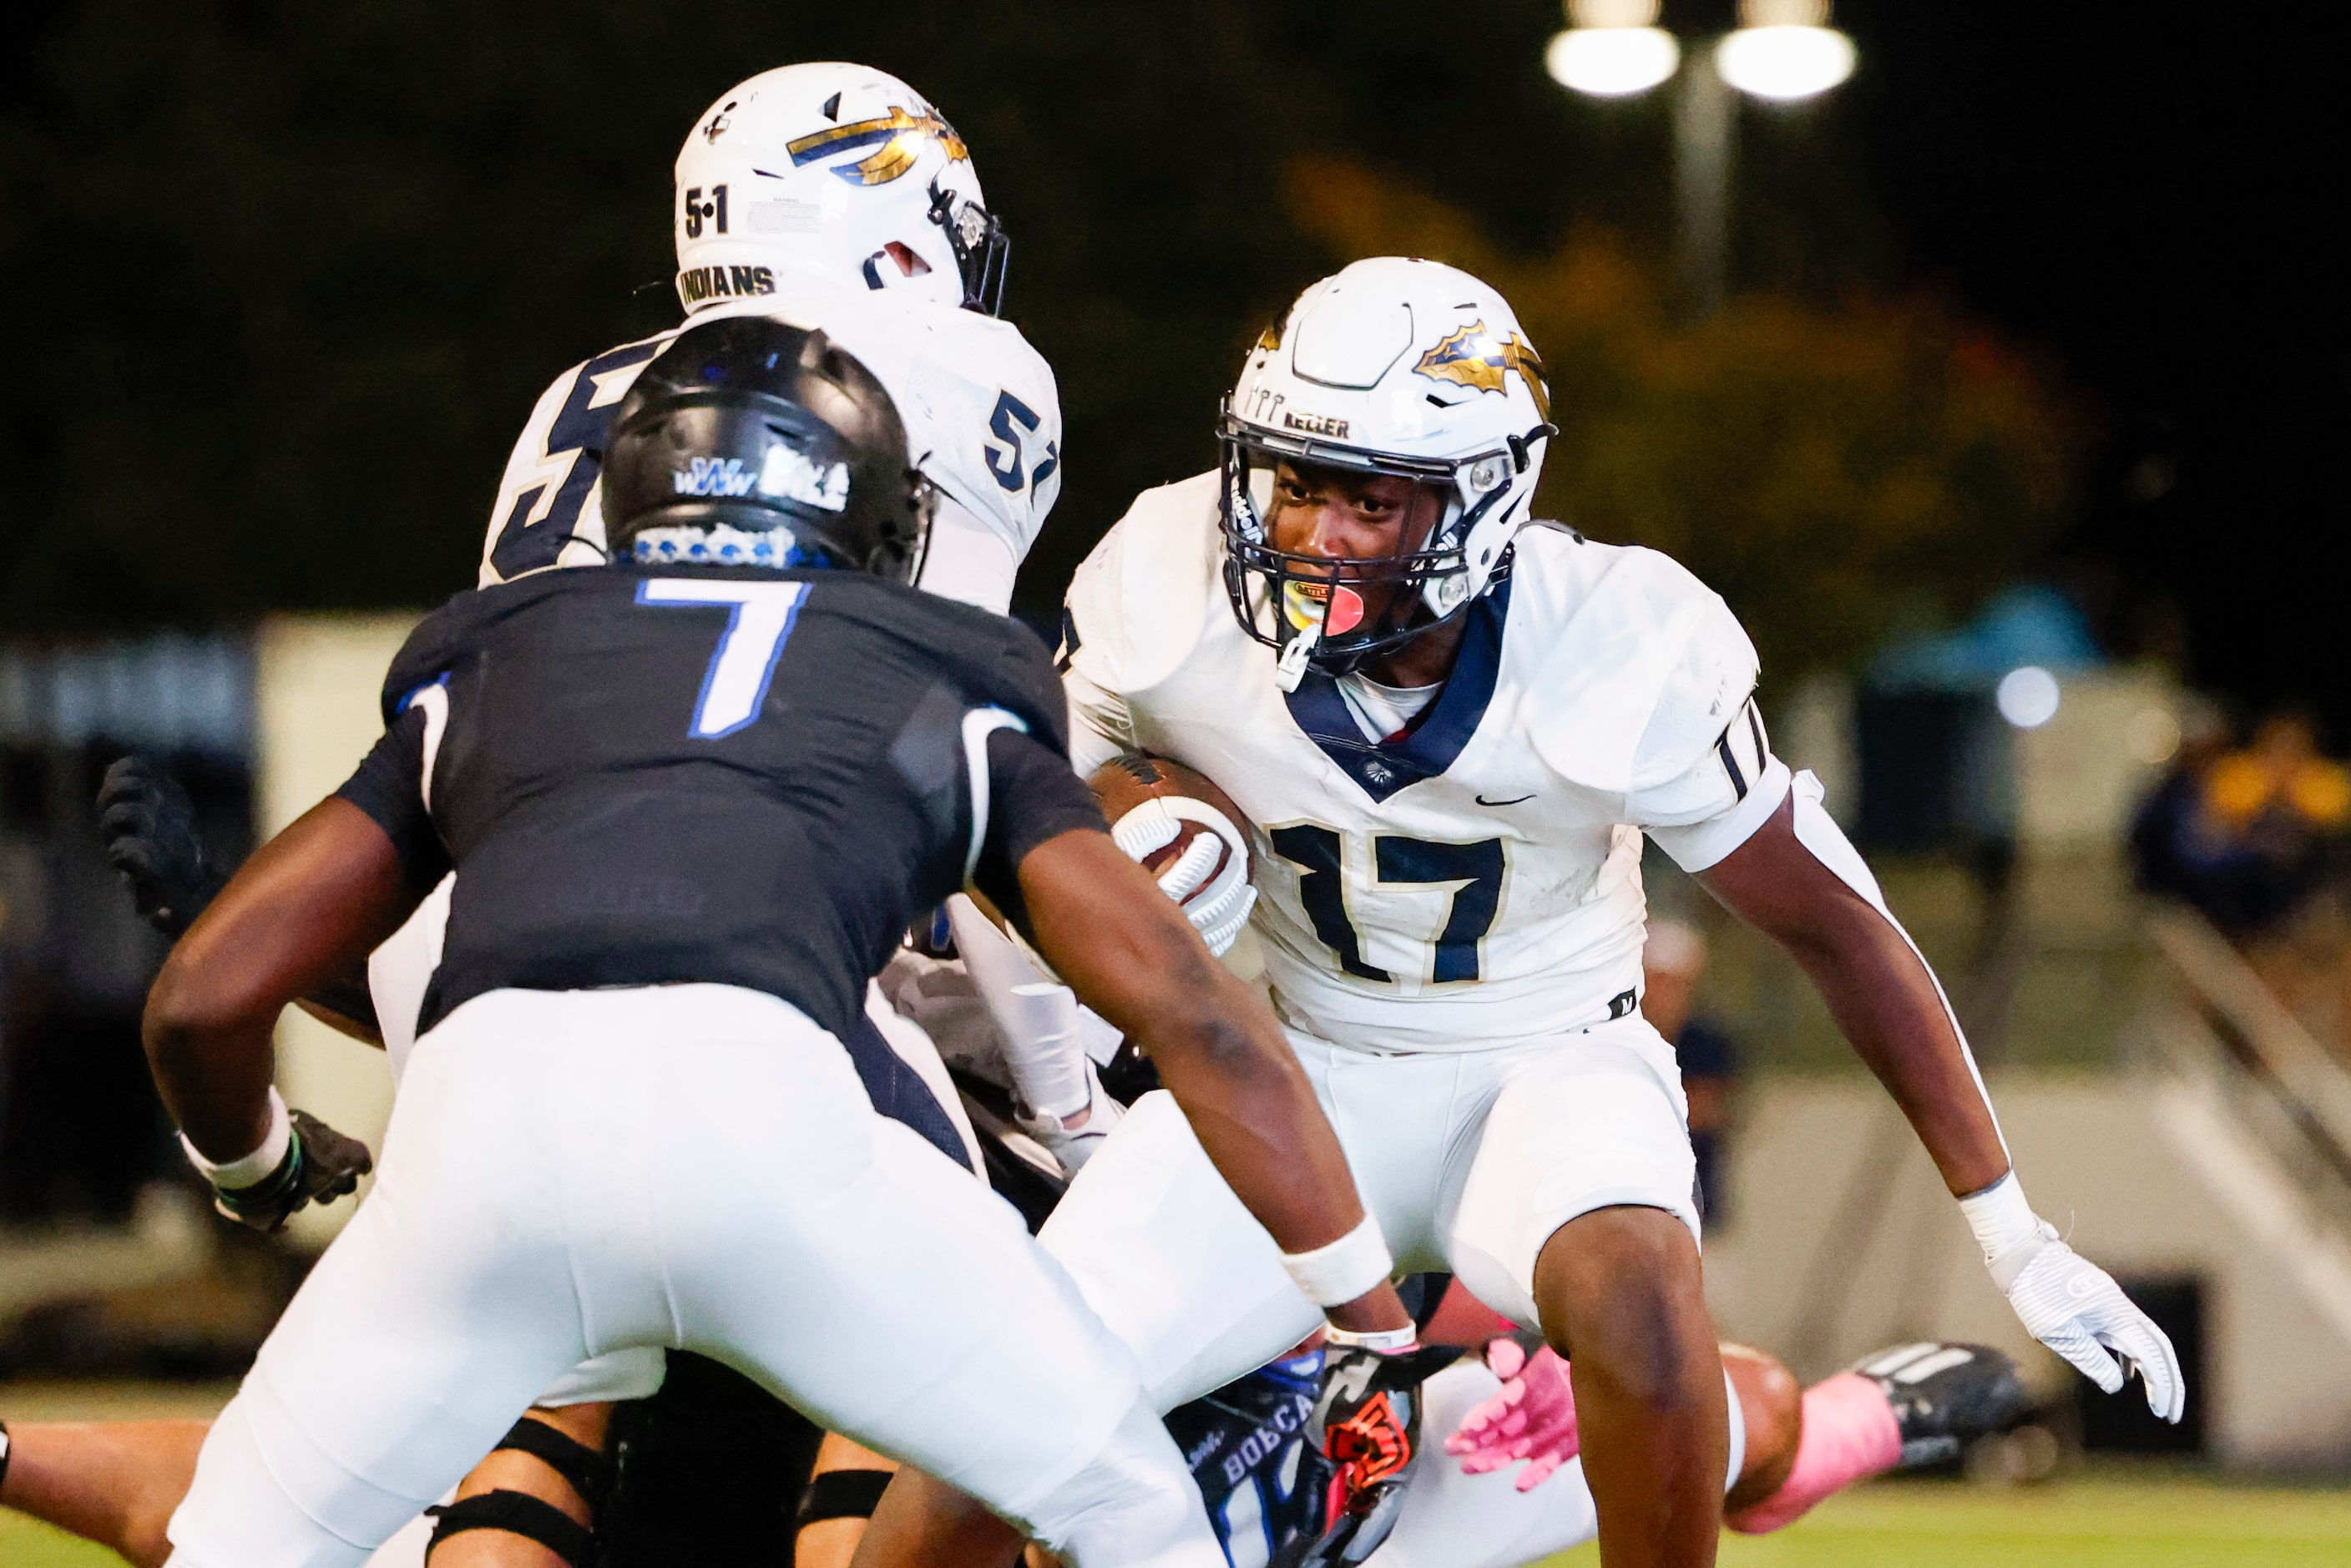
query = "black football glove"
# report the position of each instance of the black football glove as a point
(1367, 1422)
(146, 826)
(320, 1166)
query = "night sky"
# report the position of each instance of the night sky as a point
(286, 280)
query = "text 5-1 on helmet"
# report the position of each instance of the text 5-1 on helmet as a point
(837, 171)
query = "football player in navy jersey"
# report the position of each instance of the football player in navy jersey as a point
(693, 800)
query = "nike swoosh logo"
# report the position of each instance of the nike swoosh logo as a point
(1483, 802)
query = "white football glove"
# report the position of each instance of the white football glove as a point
(2070, 1305)
(1216, 901)
(1073, 1146)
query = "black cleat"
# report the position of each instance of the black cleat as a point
(1945, 1396)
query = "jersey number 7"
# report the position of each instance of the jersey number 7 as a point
(735, 687)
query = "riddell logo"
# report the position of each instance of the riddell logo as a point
(696, 284)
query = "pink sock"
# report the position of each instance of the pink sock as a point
(1849, 1435)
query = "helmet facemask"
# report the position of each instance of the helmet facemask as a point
(1312, 609)
(981, 247)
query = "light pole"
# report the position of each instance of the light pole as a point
(1784, 50)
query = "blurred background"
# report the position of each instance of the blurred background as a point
(2000, 384)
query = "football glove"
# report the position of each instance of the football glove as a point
(1072, 1146)
(1210, 879)
(2074, 1307)
(2069, 1304)
(1532, 1418)
(1367, 1422)
(320, 1166)
(147, 828)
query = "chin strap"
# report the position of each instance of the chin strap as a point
(1291, 668)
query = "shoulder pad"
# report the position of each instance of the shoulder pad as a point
(1642, 667)
(1142, 600)
(432, 648)
(982, 413)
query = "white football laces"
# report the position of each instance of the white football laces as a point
(1209, 881)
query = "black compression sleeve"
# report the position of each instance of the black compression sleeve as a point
(1032, 796)
(389, 787)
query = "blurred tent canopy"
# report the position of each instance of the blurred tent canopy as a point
(290, 277)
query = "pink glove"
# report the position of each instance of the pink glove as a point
(1532, 1418)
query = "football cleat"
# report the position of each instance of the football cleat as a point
(1945, 1396)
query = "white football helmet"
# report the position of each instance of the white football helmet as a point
(1393, 366)
(840, 172)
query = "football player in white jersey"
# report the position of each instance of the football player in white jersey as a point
(1449, 727)
(836, 196)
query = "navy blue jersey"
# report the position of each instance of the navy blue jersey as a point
(650, 776)
(1248, 1445)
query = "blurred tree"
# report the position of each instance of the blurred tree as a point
(289, 277)
(1829, 466)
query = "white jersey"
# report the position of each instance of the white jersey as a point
(1476, 882)
(982, 415)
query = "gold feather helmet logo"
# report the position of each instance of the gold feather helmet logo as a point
(897, 138)
(1470, 357)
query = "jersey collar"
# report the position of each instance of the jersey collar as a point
(1429, 749)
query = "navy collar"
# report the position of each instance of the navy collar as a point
(1382, 768)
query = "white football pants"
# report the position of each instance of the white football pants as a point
(1469, 1160)
(571, 1173)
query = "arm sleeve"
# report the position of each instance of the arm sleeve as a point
(1034, 797)
(390, 788)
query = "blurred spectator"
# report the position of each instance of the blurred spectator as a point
(2246, 836)
(2178, 850)
(1671, 965)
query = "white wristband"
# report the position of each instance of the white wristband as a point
(2000, 1217)
(1338, 1272)
(1387, 1341)
(256, 1166)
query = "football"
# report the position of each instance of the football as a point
(1128, 781)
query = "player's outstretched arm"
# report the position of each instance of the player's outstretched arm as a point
(1877, 988)
(1799, 881)
(309, 904)
(1130, 954)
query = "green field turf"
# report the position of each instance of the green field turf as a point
(2086, 1523)
(2102, 1522)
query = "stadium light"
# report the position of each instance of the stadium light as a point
(1785, 50)
(1785, 62)
(2027, 696)
(1611, 48)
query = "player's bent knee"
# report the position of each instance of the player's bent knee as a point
(1621, 1287)
(1134, 1503)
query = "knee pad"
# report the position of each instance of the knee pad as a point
(589, 1473)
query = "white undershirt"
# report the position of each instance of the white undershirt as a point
(1383, 711)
